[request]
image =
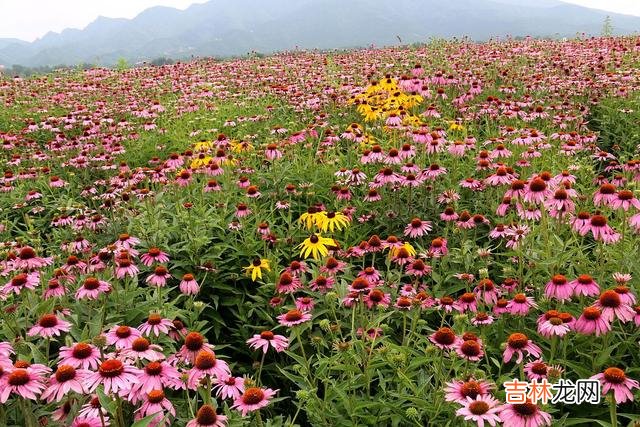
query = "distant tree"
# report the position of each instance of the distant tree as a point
(122, 64)
(162, 61)
(607, 27)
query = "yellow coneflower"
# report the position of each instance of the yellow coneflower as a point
(332, 221)
(256, 267)
(241, 146)
(200, 162)
(389, 84)
(203, 146)
(316, 246)
(407, 246)
(454, 125)
(310, 218)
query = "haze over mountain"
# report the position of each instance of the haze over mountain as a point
(229, 28)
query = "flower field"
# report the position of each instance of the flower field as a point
(444, 235)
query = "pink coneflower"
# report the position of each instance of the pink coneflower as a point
(188, 285)
(444, 338)
(524, 415)
(141, 348)
(125, 267)
(85, 421)
(155, 402)
(242, 210)
(460, 391)
(153, 255)
(537, 191)
(591, 321)
(80, 355)
(470, 349)
(293, 317)
(417, 228)
(585, 285)
(449, 215)
(92, 288)
(304, 303)
(272, 152)
(122, 336)
(297, 268)
(371, 275)
(127, 242)
(520, 305)
(600, 230)
(208, 417)
(24, 382)
(553, 326)
(480, 410)
(377, 297)
(253, 399)
(466, 302)
(229, 388)
(193, 344)
(519, 344)
(612, 306)
(116, 377)
(626, 296)
(624, 199)
(266, 339)
(472, 184)
(482, 318)
(287, 283)
(54, 289)
(605, 195)
(418, 268)
(621, 279)
(159, 276)
(559, 288)
(322, 283)
(360, 285)
(157, 375)
(65, 380)
(48, 326)
(615, 380)
(438, 247)
(20, 282)
(486, 290)
(539, 370)
(155, 325)
(28, 259)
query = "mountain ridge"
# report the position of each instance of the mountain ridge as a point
(220, 28)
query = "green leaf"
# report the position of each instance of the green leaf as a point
(146, 421)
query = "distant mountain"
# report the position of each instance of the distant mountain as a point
(228, 28)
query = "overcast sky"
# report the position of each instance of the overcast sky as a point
(30, 19)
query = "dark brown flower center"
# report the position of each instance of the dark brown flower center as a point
(194, 341)
(153, 368)
(614, 375)
(478, 407)
(517, 340)
(81, 351)
(610, 299)
(18, 377)
(293, 315)
(65, 373)
(444, 336)
(111, 368)
(206, 415)
(252, 396)
(205, 360)
(48, 321)
(155, 396)
(470, 348)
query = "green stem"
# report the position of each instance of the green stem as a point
(613, 411)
